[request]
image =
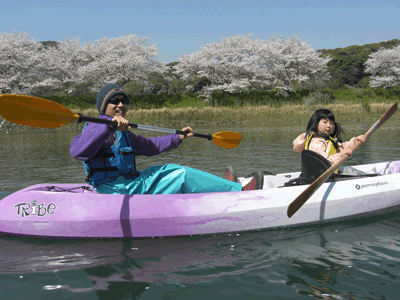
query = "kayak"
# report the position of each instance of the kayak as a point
(66, 210)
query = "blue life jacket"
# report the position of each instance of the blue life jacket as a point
(110, 163)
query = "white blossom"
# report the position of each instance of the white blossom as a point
(120, 60)
(384, 66)
(62, 65)
(292, 60)
(20, 61)
(240, 63)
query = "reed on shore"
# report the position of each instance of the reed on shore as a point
(246, 114)
(293, 113)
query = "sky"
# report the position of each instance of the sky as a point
(180, 27)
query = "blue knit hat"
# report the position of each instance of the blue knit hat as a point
(106, 93)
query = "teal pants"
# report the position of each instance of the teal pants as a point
(169, 179)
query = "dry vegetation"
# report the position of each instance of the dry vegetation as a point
(237, 115)
(247, 114)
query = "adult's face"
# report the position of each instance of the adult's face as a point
(117, 106)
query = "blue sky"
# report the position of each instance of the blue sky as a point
(181, 27)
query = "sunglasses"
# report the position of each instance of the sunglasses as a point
(116, 101)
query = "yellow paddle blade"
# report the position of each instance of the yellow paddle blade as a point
(227, 139)
(35, 112)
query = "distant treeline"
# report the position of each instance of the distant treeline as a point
(347, 64)
(306, 97)
(346, 68)
(349, 83)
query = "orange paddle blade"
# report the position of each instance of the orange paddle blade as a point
(227, 139)
(35, 112)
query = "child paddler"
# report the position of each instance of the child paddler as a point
(323, 137)
(109, 154)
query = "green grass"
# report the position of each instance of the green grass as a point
(364, 96)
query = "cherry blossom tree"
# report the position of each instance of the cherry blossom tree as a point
(384, 66)
(241, 63)
(227, 65)
(120, 60)
(292, 60)
(19, 62)
(62, 65)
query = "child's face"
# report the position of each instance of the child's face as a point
(326, 126)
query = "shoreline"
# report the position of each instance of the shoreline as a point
(247, 114)
(237, 115)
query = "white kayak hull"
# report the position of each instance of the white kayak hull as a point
(34, 211)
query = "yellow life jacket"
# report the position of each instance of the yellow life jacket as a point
(332, 144)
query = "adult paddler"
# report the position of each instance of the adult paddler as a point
(109, 156)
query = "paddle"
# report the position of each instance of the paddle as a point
(308, 192)
(38, 112)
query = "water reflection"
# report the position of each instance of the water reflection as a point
(346, 257)
(360, 256)
(25, 255)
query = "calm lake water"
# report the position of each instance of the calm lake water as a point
(358, 259)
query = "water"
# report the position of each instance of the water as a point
(358, 259)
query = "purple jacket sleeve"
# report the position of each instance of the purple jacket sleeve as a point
(97, 136)
(154, 145)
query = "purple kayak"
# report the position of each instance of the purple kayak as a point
(76, 211)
